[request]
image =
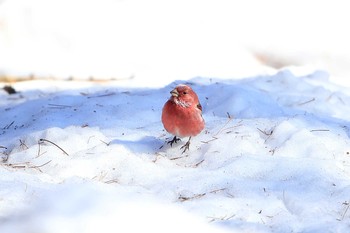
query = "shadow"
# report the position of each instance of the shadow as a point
(148, 144)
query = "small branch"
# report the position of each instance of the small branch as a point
(3, 147)
(45, 140)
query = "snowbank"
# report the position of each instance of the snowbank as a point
(274, 157)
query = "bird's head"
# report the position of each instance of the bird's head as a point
(184, 95)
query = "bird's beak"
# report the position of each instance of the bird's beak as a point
(174, 93)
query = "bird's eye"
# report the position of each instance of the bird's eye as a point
(184, 92)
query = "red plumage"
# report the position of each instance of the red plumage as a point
(182, 114)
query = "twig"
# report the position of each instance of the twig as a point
(59, 106)
(100, 177)
(206, 142)
(17, 165)
(266, 133)
(196, 196)
(45, 140)
(23, 145)
(306, 102)
(180, 157)
(111, 181)
(9, 125)
(222, 128)
(217, 190)
(39, 166)
(42, 164)
(39, 150)
(345, 211)
(199, 163)
(106, 143)
(3, 147)
(224, 218)
(319, 130)
(90, 138)
(183, 199)
(26, 165)
(339, 98)
(103, 95)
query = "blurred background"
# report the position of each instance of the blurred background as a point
(154, 42)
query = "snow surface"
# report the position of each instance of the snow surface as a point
(274, 157)
(80, 156)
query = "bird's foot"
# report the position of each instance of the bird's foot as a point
(186, 146)
(174, 140)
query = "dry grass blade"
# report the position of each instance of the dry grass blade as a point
(306, 102)
(26, 165)
(103, 95)
(224, 218)
(319, 130)
(266, 133)
(199, 163)
(206, 142)
(9, 125)
(45, 140)
(180, 157)
(345, 211)
(197, 196)
(39, 166)
(60, 106)
(183, 198)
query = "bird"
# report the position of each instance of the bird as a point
(182, 115)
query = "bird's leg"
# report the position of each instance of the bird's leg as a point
(175, 140)
(186, 146)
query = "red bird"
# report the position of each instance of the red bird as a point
(182, 115)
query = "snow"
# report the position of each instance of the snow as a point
(91, 156)
(274, 157)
